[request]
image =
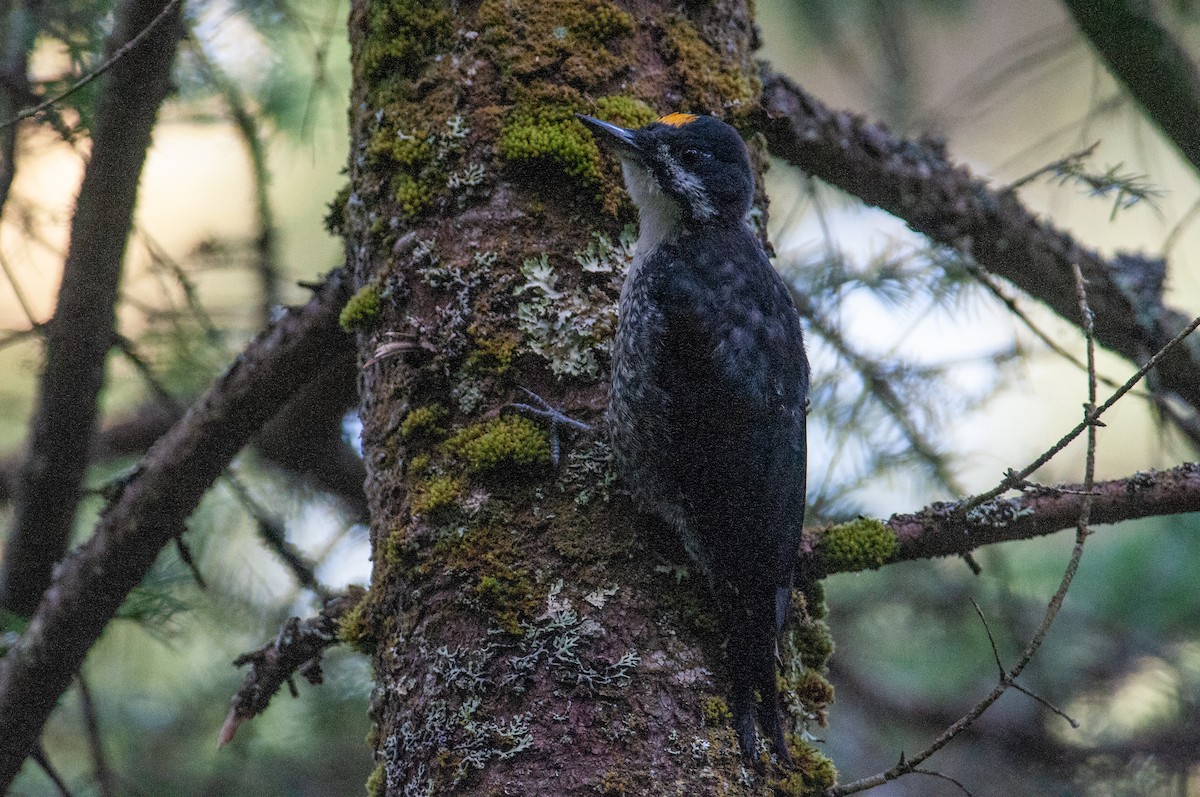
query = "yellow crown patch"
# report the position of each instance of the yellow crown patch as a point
(678, 119)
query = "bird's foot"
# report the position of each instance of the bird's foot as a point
(556, 418)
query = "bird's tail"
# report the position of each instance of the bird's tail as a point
(752, 654)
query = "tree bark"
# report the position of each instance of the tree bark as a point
(528, 636)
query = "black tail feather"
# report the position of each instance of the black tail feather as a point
(752, 653)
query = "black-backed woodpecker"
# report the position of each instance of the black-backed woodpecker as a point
(710, 387)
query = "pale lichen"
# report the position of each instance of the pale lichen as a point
(572, 327)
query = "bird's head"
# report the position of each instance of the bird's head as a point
(682, 169)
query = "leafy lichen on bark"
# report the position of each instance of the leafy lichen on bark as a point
(524, 637)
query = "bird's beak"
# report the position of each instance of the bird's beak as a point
(620, 138)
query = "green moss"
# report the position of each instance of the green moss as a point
(813, 643)
(813, 596)
(411, 152)
(863, 544)
(400, 148)
(413, 196)
(504, 595)
(811, 775)
(399, 551)
(436, 494)
(423, 422)
(419, 465)
(709, 83)
(568, 39)
(361, 309)
(624, 110)
(814, 689)
(613, 784)
(377, 781)
(716, 712)
(335, 215)
(600, 22)
(354, 629)
(493, 355)
(511, 440)
(401, 35)
(549, 141)
(499, 584)
(688, 597)
(806, 647)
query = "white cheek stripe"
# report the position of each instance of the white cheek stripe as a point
(687, 184)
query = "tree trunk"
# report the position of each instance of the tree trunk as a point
(529, 634)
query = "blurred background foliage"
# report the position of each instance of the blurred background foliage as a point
(926, 387)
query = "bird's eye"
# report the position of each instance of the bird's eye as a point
(692, 156)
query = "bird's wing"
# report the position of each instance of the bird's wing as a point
(733, 363)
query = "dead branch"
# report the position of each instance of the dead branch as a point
(937, 531)
(297, 649)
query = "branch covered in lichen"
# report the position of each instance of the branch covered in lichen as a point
(938, 529)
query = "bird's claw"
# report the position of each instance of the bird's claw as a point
(543, 410)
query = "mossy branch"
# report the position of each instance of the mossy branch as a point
(941, 530)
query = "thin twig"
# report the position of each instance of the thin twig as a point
(100, 769)
(1047, 704)
(1004, 675)
(22, 300)
(18, 335)
(38, 754)
(881, 388)
(1180, 227)
(161, 394)
(189, 561)
(991, 639)
(1014, 478)
(1008, 677)
(1011, 305)
(1089, 330)
(297, 649)
(943, 776)
(1186, 421)
(97, 72)
(1057, 165)
(247, 125)
(160, 257)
